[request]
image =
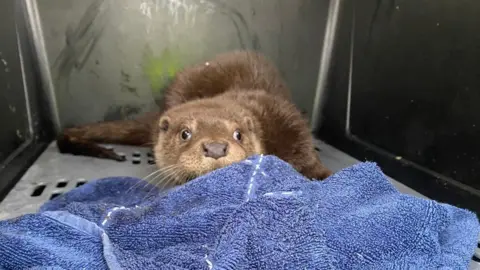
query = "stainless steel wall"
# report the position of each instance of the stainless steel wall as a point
(108, 59)
(14, 115)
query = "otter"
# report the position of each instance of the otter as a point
(214, 114)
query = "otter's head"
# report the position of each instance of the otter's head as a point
(200, 136)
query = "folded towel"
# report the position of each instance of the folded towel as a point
(256, 214)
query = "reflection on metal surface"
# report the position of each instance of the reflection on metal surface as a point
(36, 31)
(350, 76)
(325, 59)
(25, 86)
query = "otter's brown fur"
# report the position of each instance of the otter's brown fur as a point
(226, 71)
(238, 91)
(215, 98)
(269, 125)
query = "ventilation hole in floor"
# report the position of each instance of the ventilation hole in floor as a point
(151, 161)
(136, 161)
(80, 183)
(317, 149)
(54, 195)
(62, 184)
(38, 191)
(123, 156)
(149, 154)
(136, 154)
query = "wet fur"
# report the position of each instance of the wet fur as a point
(82, 140)
(231, 86)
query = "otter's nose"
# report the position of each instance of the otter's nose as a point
(215, 150)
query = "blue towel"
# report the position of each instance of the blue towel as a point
(256, 214)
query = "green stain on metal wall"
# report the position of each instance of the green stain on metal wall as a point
(160, 69)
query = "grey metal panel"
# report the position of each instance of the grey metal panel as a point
(109, 59)
(23, 126)
(15, 125)
(329, 41)
(336, 160)
(474, 265)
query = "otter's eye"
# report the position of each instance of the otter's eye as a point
(186, 134)
(237, 135)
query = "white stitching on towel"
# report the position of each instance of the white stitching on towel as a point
(283, 194)
(209, 263)
(252, 178)
(109, 214)
(207, 260)
(107, 217)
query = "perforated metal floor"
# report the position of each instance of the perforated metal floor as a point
(53, 174)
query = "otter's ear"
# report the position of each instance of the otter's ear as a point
(249, 123)
(164, 123)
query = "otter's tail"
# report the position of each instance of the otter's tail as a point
(82, 140)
